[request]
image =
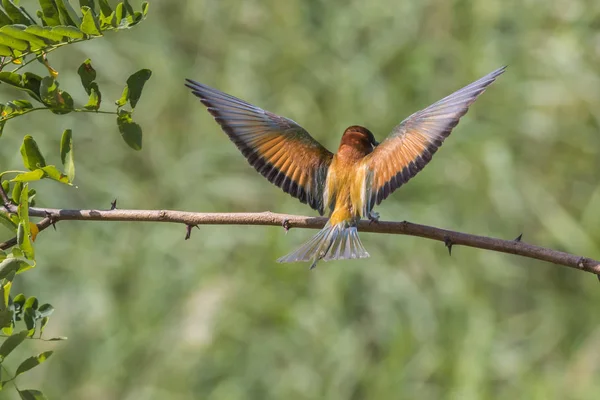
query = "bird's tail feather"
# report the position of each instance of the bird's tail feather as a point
(333, 242)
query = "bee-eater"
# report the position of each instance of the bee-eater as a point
(349, 183)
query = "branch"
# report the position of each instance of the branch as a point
(448, 237)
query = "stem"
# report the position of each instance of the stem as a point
(83, 110)
(11, 116)
(31, 338)
(12, 380)
(11, 172)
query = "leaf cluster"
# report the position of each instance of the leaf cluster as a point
(27, 37)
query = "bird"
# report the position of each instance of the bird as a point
(348, 184)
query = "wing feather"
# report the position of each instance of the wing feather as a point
(412, 143)
(277, 147)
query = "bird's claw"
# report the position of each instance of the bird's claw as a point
(373, 217)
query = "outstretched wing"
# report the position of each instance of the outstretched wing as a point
(277, 147)
(411, 144)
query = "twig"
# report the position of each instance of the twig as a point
(297, 221)
(43, 224)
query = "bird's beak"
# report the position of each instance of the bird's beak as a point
(375, 143)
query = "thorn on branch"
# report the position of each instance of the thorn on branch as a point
(286, 225)
(518, 238)
(51, 219)
(188, 230)
(448, 243)
(113, 205)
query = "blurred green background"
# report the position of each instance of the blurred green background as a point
(151, 316)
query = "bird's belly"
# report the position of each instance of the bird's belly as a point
(347, 195)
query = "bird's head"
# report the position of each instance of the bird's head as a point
(360, 138)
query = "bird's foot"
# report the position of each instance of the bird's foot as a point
(373, 216)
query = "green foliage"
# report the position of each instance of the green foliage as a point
(24, 40)
(66, 154)
(131, 132)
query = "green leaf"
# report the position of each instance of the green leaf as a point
(4, 18)
(68, 16)
(24, 240)
(28, 82)
(49, 91)
(50, 12)
(31, 394)
(119, 13)
(12, 264)
(87, 73)
(13, 43)
(88, 3)
(7, 222)
(6, 320)
(43, 324)
(16, 192)
(30, 176)
(90, 24)
(32, 193)
(128, 8)
(46, 310)
(19, 300)
(16, 107)
(21, 104)
(32, 157)
(145, 8)
(12, 343)
(23, 207)
(45, 32)
(29, 318)
(135, 83)
(107, 15)
(105, 8)
(24, 229)
(68, 31)
(31, 302)
(6, 292)
(5, 51)
(130, 131)
(95, 98)
(31, 83)
(19, 32)
(66, 154)
(53, 173)
(11, 78)
(15, 13)
(33, 362)
(65, 103)
(135, 18)
(60, 102)
(123, 99)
